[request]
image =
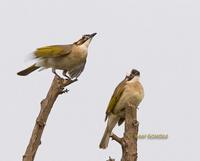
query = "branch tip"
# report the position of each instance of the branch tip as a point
(110, 159)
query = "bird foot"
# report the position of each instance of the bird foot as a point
(74, 80)
(67, 77)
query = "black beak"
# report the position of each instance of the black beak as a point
(92, 35)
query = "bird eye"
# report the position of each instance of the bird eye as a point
(86, 36)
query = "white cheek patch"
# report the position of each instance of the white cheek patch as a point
(136, 78)
(87, 43)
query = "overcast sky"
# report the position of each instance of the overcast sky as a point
(159, 38)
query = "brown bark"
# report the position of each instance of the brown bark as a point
(57, 88)
(130, 135)
(129, 141)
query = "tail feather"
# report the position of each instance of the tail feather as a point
(28, 70)
(105, 140)
(112, 121)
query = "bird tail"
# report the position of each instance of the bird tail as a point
(112, 121)
(28, 70)
(105, 140)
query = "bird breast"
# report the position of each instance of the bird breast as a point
(77, 57)
(133, 94)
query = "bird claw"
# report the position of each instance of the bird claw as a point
(72, 80)
(68, 78)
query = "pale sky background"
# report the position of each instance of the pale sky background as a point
(159, 38)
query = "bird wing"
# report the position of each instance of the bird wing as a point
(53, 51)
(115, 97)
(75, 72)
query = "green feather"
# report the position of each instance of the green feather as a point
(115, 98)
(52, 51)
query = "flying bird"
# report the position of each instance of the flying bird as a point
(70, 58)
(130, 90)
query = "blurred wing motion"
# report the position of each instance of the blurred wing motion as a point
(47, 52)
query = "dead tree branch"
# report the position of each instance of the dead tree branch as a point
(116, 138)
(130, 135)
(129, 141)
(111, 159)
(57, 88)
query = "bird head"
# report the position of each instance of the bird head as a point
(133, 73)
(85, 39)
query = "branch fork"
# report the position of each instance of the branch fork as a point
(129, 141)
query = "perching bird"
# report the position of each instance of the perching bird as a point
(129, 91)
(70, 58)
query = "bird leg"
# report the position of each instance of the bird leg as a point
(65, 74)
(54, 71)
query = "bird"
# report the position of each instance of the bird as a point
(70, 58)
(128, 91)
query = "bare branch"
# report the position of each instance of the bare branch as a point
(116, 138)
(129, 141)
(57, 88)
(111, 159)
(131, 131)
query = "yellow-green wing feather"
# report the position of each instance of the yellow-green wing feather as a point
(53, 51)
(115, 97)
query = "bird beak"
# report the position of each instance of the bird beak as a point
(92, 35)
